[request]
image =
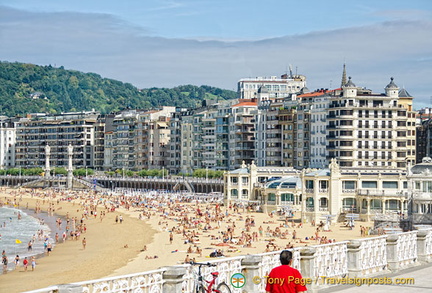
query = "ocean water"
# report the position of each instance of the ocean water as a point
(13, 229)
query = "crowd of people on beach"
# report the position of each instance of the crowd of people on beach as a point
(231, 228)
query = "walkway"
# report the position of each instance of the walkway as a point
(422, 283)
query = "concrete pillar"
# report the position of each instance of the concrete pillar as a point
(422, 255)
(47, 160)
(70, 167)
(392, 260)
(173, 278)
(354, 266)
(69, 288)
(250, 265)
(307, 264)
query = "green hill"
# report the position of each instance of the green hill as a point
(28, 88)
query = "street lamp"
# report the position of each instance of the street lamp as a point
(206, 172)
(86, 171)
(163, 172)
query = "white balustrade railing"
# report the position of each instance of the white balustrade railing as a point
(406, 247)
(331, 260)
(146, 282)
(226, 267)
(428, 249)
(373, 255)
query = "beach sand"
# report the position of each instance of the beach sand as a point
(105, 254)
(69, 262)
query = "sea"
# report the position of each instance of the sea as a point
(15, 233)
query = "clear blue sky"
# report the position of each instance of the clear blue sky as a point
(216, 42)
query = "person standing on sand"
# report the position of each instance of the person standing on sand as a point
(49, 248)
(33, 263)
(171, 237)
(84, 243)
(25, 264)
(17, 259)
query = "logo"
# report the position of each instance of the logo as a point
(238, 280)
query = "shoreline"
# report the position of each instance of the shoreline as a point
(69, 262)
(48, 221)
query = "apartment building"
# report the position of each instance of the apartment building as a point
(222, 137)
(247, 88)
(140, 139)
(242, 133)
(371, 130)
(36, 131)
(7, 142)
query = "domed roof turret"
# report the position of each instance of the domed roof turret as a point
(424, 167)
(350, 83)
(391, 85)
(404, 94)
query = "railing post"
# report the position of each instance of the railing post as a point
(173, 278)
(69, 288)
(250, 269)
(422, 253)
(392, 253)
(307, 264)
(353, 254)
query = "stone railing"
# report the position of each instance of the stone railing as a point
(373, 255)
(331, 260)
(143, 282)
(355, 258)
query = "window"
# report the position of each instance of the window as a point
(323, 184)
(287, 197)
(369, 184)
(309, 184)
(271, 197)
(390, 184)
(348, 184)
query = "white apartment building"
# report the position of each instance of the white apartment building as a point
(7, 143)
(318, 124)
(277, 87)
(371, 130)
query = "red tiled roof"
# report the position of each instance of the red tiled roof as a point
(243, 104)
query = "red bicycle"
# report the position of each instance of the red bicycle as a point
(200, 284)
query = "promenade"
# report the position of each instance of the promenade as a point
(420, 274)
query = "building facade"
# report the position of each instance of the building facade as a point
(317, 193)
(247, 88)
(77, 129)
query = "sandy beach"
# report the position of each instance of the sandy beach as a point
(106, 255)
(69, 262)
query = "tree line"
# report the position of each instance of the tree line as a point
(29, 88)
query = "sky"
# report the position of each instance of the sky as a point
(164, 43)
